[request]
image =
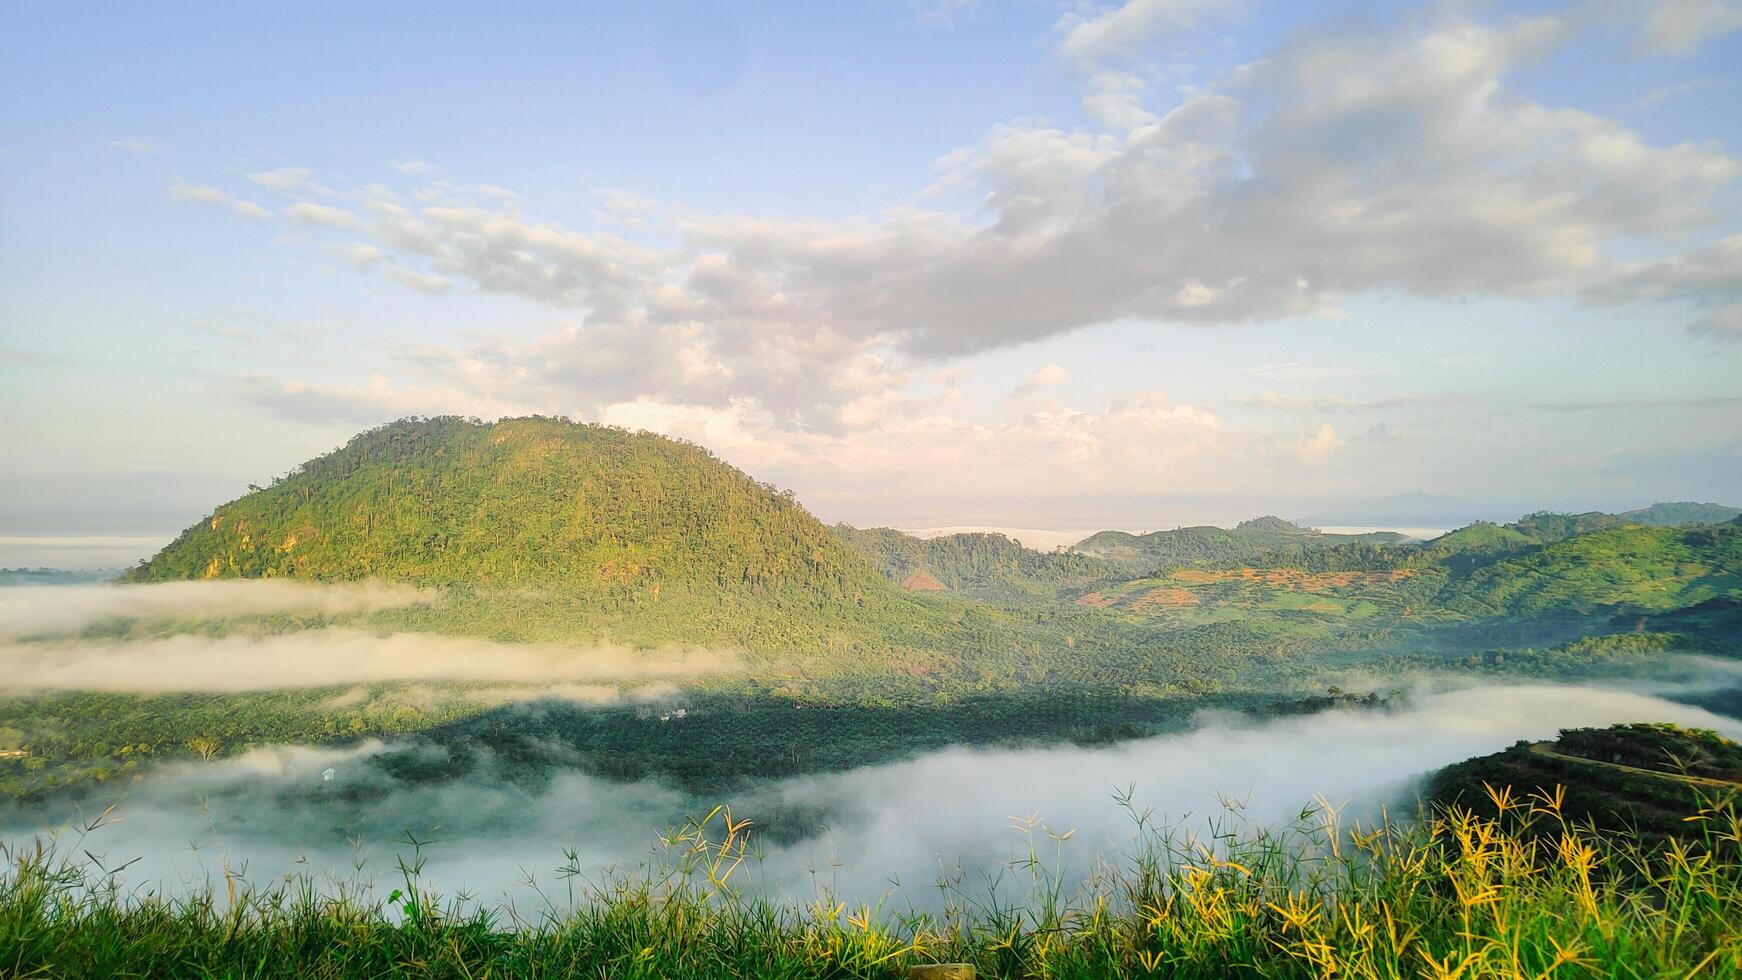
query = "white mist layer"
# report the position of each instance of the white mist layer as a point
(889, 823)
(55, 659)
(64, 608)
(326, 658)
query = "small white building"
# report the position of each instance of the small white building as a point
(328, 773)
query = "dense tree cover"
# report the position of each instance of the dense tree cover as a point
(548, 529)
(75, 738)
(1628, 567)
(984, 566)
(1682, 514)
(774, 737)
(1260, 539)
(530, 501)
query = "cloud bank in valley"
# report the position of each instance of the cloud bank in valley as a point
(246, 661)
(27, 612)
(899, 822)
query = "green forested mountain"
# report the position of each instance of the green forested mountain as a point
(518, 502)
(544, 529)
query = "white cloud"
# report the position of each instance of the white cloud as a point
(433, 285)
(289, 180)
(415, 168)
(363, 257)
(1708, 279)
(1680, 26)
(1045, 377)
(1318, 446)
(204, 194)
(306, 213)
(1123, 29)
(1393, 159)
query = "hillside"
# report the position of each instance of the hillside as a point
(517, 502)
(1251, 542)
(1628, 568)
(1637, 778)
(547, 529)
(1483, 543)
(984, 566)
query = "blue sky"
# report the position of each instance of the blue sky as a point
(1029, 264)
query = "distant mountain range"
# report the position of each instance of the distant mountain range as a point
(1404, 510)
(1434, 510)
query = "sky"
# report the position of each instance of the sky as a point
(926, 263)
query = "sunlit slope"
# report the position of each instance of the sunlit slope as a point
(1633, 567)
(1485, 571)
(977, 564)
(552, 529)
(1261, 539)
(522, 501)
(1640, 779)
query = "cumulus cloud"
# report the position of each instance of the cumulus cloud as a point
(1318, 446)
(1680, 26)
(1392, 156)
(1124, 28)
(206, 194)
(304, 212)
(1045, 377)
(1709, 279)
(289, 180)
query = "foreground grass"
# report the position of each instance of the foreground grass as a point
(1452, 895)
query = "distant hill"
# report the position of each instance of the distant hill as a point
(1629, 567)
(1482, 543)
(1682, 513)
(575, 529)
(979, 565)
(1257, 540)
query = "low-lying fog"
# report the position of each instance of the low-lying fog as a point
(271, 812)
(44, 645)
